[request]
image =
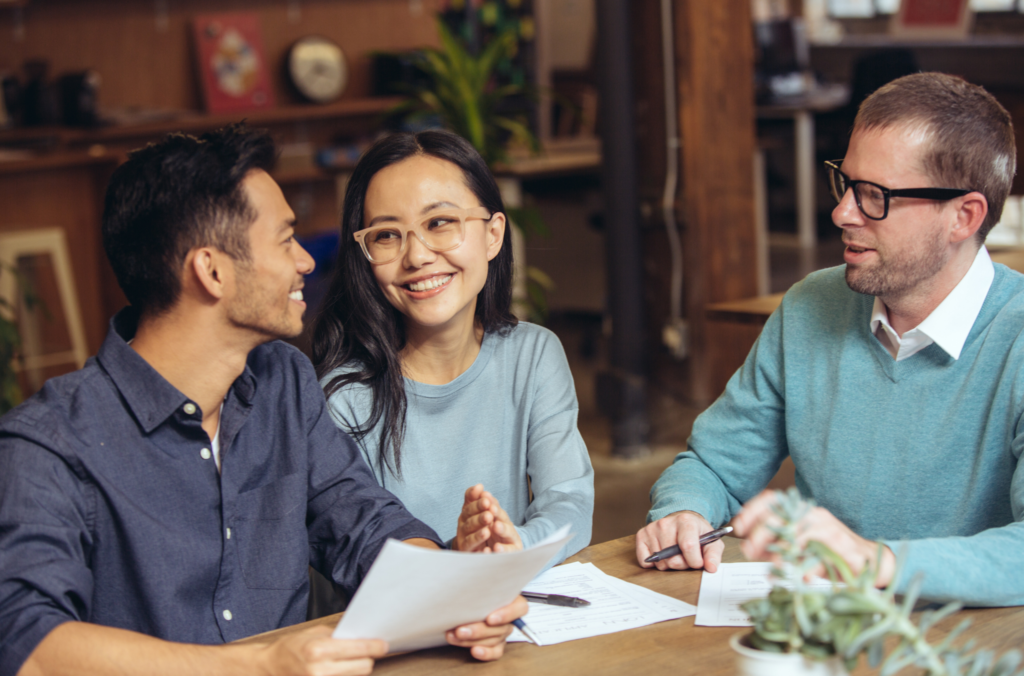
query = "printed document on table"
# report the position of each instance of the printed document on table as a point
(412, 595)
(614, 605)
(722, 592)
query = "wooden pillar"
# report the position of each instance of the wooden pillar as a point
(715, 65)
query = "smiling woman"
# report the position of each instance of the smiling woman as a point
(466, 414)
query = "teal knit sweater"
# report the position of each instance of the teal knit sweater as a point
(921, 453)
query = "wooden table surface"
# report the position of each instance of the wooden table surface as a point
(747, 311)
(676, 647)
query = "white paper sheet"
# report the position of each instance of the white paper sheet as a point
(412, 595)
(615, 605)
(722, 592)
(666, 604)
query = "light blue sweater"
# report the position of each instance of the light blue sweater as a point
(508, 422)
(921, 454)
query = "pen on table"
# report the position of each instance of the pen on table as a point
(705, 539)
(555, 599)
(521, 626)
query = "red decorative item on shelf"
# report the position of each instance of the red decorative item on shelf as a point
(232, 62)
(932, 19)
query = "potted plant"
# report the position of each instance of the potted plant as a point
(10, 342)
(809, 627)
(461, 91)
(10, 393)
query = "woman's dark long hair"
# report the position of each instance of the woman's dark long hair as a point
(357, 326)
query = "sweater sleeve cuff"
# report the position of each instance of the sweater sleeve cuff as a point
(954, 571)
(900, 578)
(661, 510)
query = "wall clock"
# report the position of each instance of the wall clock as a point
(317, 69)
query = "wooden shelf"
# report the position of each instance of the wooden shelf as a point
(199, 122)
(57, 160)
(313, 174)
(746, 311)
(877, 40)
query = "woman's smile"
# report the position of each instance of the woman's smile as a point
(437, 284)
(435, 291)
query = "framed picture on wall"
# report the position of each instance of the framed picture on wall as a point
(851, 9)
(232, 63)
(993, 5)
(930, 19)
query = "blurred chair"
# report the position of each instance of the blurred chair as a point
(870, 72)
(874, 70)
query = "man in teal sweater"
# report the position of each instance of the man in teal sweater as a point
(895, 382)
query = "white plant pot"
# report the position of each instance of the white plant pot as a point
(752, 662)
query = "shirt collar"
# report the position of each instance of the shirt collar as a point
(150, 397)
(950, 323)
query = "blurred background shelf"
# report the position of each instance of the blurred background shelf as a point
(195, 123)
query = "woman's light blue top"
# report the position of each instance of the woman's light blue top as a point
(508, 422)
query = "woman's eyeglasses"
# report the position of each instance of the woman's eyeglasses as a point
(441, 230)
(873, 199)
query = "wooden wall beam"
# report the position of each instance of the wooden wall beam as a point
(715, 66)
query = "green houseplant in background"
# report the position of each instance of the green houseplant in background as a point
(462, 91)
(10, 340)
(10, 393)
(465, 97)
(853, 617)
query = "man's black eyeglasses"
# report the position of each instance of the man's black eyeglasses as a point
(873, 199)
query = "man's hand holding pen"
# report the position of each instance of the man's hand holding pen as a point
(684, 529)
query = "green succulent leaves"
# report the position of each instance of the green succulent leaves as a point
(854, 617)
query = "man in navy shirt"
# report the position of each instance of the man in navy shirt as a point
(170, 495)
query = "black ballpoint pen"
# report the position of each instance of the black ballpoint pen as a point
(555, 599)
(705, 539)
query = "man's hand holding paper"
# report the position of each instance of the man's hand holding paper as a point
(413, 596)
(486, 640)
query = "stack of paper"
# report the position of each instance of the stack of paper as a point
(614, 605)
(733, 584)
(412, 594)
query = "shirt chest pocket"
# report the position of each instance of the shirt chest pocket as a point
(270, 534)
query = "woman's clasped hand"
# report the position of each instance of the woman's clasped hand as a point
(484, 526)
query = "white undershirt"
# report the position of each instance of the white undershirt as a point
(215, 442)
(949, 324)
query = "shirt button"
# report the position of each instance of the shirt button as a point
(190, 408)
(229, 533)
(205, 454)
(227, 614)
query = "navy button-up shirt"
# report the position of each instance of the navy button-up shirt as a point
(112, 509)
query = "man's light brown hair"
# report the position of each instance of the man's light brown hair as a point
(971, 142)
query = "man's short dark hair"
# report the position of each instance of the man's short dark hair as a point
(173, 196)
(971, 143)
